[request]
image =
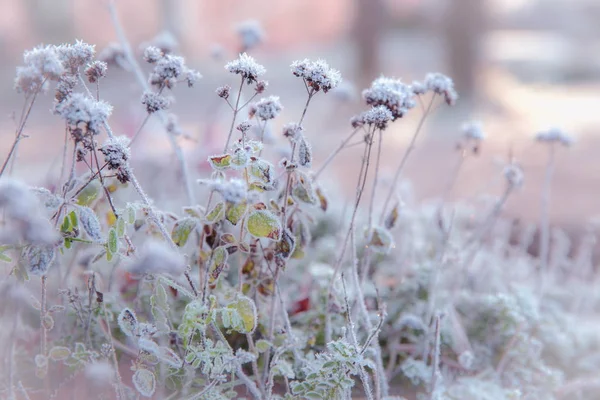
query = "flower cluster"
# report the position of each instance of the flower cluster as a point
(378, 116)
(391, 93)
(116, 155)
(75, 56)
(555, 135)
(317, 74)
(442, 85)
(247, 67)
(81, 109)
(266, 108)
(168, 69)
(155, 102)
(95, 71)
(41, 64)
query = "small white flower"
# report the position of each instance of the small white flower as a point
(79, 108)
(247, 67)
(391, 93)
(442, 85)
(555, 135)
(318, 74)
(266, 108)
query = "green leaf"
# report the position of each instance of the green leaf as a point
(120, 226)
(113, 241)
(262, 170)
(263, 345)
(59, 353)
(5, 258)
(182, 229)
(263, 224)
(89, 194)
(246, 309)
(216, 214)
(130, 209)
(303, 189)
(144, 382)
(217, 263)
(235, 212)
(222, 162)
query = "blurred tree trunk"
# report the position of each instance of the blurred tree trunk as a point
(51, 21)
(463, 26)
(366, 32)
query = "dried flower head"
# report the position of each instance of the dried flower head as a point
(166, 71)
(244, 126)
(81, 109)
(155, 102)
(377, 116)
(418, 88)
(152, 54)
(442, 85)
(247, 67)
(41, 64)
(391, 93)
(317, 74)
(261, 86)
(223, 91)
(116, 155)
(64, 87)
(555, 135)
(266, 108)
(191, 76)
(74, 56)
(473, 130)
(157, 257)
(251, 33)
(292, 130)
(96, 70)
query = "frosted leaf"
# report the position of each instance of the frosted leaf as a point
(263, 224)
(246, 309)
(182, 229)
(59, 353)
(144, 382)
(128, 322)
(380, 240)
(39, 259)
(304, 153)
(90, 223)
(266, 108)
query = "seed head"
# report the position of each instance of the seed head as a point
(116, 155)
(95, 71)
(391, 93)
(74, 56)
(154, 102)
(152, 54)
(378, 116)
(247, 67)
(79, 108)
(292, 130)
(166, 71)
(442, 85)
(261, 86)
(473, 131)
(41, 64)
(223, 91)
(317, 74)
(266, 108)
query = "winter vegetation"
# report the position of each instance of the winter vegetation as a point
(261, 283)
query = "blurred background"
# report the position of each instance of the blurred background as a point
(520, 66)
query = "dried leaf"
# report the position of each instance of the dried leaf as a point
(128, 322)
(222, 162)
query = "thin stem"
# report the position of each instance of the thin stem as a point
(119, 388)
(235, 113)
(137, 133)
(336, 152)
(407, 152)
(545, 210)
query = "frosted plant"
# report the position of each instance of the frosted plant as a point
(391, 93)
(317, 74)
(266, 108)
(247, 67)
(554, 135)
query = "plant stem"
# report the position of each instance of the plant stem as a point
(235, 113)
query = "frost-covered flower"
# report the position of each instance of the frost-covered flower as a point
(554, 135)
(157, 257)
(442, 85)
(251, 33)
(292, 130)
(41, 64)
(191, 76)
(418, 88)
(391, 93)
(74, 56)
(96, 70)
(266, 108)
(261, 86)
(152, 54)
(116, 155)
(155, 102)
(233, 191)
(244, 126)
(79, 108)
(64, 87)
(166, 71)
(473, 130)
(317, 74)
(378, 116)
(223, 91)
(247, 67)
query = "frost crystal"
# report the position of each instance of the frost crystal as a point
(554, 135)
(154, 102)
(233, 191)
(391, 93)
(247, 67)
(251, 33)
(79, 108)
(157, 257)
(442, 85)
(318, 74)
(266, 108)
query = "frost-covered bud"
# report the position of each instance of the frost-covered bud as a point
(442, 85)
(391, 93)
(74, 56)
(261, 86)
(157, 257)
(317, 74)
(223, 91)
(251, 33)
(266, 108)
(152, 54)
(233, 191)
(167, 70)
(513, 175)
(154, 102)
(473, 131)
(247, 67)
(244, 126)
(64, 87)
(116, 155)
(292, 131)
(191, 77)
(79, 108)
(304, 152)
(41, 64)
(555, 135)
(418, 88)
(95, 71)
(114, 54)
